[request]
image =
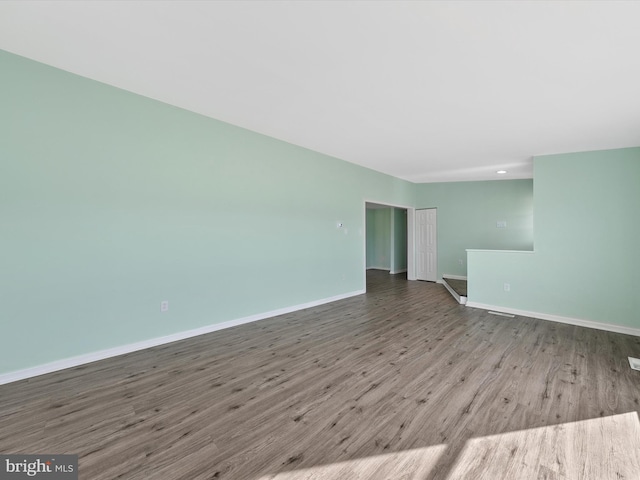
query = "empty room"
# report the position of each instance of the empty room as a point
(286, 240)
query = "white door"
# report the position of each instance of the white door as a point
(426, 245)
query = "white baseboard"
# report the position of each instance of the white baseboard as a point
(154, 342)
(454, 277)
(460, 299)
(557, 318)
(394, 272)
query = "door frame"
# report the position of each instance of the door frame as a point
(411, 231)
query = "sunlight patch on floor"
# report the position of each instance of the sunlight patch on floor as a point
(415, 463)
(604, 448)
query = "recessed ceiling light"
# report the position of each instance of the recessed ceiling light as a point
(501, 172)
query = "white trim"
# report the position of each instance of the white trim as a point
(392, 239)
(379, 268)
(394, 272)
(609, 327)
(411, 244)
(386, 204)
(528, 252)
(459, 298)
(454, 277)
(154, 342)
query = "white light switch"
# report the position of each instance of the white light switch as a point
(501, 224)
(164, 306)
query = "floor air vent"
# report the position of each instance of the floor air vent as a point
(635, 363)
(501, 314)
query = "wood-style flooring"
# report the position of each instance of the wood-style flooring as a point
(399, 383)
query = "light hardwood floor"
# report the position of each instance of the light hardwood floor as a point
(400, 383)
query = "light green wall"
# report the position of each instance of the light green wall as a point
(379, 238)
(586, 259)
(468, 213)
(111, 202)
(399, 247)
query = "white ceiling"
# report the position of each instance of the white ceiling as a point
(425, 91)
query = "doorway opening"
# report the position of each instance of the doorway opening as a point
(389, 238)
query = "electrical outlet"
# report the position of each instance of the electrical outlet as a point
(507, 287)
(460, 261)
(164, 306)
